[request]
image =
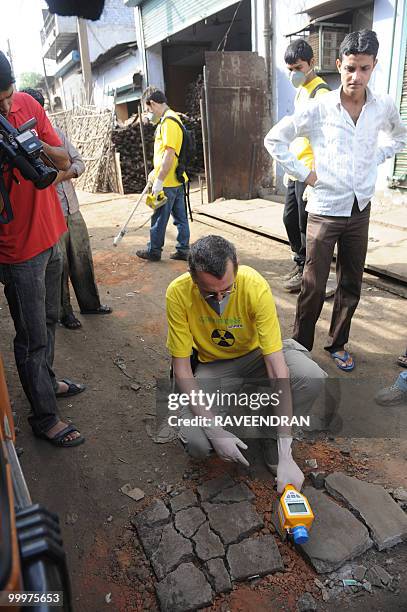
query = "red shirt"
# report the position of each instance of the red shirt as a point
(38, 220)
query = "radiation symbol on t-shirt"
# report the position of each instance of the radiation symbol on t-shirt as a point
(222, 337)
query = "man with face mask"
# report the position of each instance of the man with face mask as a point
(167, 147)
(300, 62)
(227, 314)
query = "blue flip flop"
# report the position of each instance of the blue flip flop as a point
(344, 359)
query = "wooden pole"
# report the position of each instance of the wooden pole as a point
(143, 143)
(85, 58)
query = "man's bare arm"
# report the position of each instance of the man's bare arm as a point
(167, 162)
(58, 155)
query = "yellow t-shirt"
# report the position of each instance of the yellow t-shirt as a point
(301, 146)
(168, 134)
(248, 322)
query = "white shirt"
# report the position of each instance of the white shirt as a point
(346, 155)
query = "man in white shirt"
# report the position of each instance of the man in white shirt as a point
(343, 128)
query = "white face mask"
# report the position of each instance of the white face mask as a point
(152, 118)
(298, 78)
(218, 307)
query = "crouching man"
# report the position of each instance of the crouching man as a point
(227, 314)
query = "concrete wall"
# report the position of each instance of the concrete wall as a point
(116, 25)
(70, 89)
(389, 27)
(114, 74)
(155, 66)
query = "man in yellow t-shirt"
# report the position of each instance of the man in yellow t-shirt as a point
(300, 62)
(167, 147)
(226, 313)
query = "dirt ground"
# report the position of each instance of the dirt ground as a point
(107, 566)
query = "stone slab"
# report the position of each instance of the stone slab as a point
(254, 557)
(336, 535)
(150, 538)
(184, 589)
(212, 487)
(218, 576)
(172, 550)
(207, 544)
(155, 514)
(385, 519)
(378, 577)
(234, 523)
(188, 521)
(306, 603)
(187, 499)
(240, 492)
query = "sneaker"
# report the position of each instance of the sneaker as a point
(147, 255)
(180, 255)
(396, 394)
(270, 454)
(293, 271)
(293, 285)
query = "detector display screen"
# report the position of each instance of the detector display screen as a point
(296, 507)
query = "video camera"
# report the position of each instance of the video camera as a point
(20, 148)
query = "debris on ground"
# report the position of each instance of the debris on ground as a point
(133, 493)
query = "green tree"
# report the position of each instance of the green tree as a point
(29, 79)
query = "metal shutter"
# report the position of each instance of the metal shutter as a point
(161, 18)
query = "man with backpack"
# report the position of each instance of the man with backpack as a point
(300, 62)
(167, 175)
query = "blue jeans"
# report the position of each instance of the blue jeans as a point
(32, 289)
(176, 207)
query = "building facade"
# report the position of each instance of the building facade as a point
(114, 56)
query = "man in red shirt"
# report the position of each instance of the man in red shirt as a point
(30, 270)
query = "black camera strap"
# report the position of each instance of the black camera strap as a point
(6, 212)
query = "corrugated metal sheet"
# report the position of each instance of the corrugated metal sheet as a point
(162, 18)
(400, 168)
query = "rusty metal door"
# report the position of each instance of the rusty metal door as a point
(236, 118)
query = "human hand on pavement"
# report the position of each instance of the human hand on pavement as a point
(226, 445)
(288, 471)
(157, 186)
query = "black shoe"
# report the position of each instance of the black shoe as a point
(147, 255)
(270, 454)
(181, 255)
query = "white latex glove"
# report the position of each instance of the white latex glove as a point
(150, 178)
(157, 186)
(288, 471)
(226, 445)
